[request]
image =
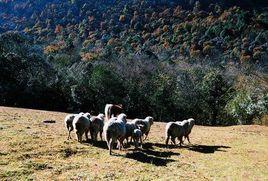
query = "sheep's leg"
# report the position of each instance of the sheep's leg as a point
(136, 143)
(101, 135)
(96, 136)
(91, 134)
(141, 141)
(167, 140)
(188, 139)
(79, 137)
(121, 143)
(146, 135)
(181, 142)
(69, 135)
(173, 140)
(86, 134)
(118, 144)
(110, 145)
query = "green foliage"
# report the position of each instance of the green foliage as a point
(245, 109)
(215, 90)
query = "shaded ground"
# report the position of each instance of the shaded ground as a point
(33, 149)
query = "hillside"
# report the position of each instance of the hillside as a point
(237, 30)
(31, 149)
(168, 59)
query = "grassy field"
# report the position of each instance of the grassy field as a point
(31, 149)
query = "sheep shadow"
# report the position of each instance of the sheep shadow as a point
(160, 145)
(98, 144)
(149, 155)
(207, 149)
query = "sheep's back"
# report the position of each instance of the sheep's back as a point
(116, 129)
(81, 123)
(130, 127)
(174, 129)
(142, 122)
(69, 120)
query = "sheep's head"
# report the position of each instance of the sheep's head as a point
(101, 116)
(191, 120)
(141, 127)
(150, 120)
(122, 117)
(87, 115)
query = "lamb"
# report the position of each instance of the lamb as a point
(115, 129)
(137, 137)
(112, 110)
(147, 123)
(68, 121)
(176, 130)
(81, 125)
(97, 123)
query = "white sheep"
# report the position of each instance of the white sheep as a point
(146, 123)
(115, 130)
(130, 127)
(112, 110)
(81, 125)
(176, 130)
(137, 137)
(68, 122)
(97, 123)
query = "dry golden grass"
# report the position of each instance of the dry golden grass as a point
(31, 149)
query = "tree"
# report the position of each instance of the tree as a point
(214, 89)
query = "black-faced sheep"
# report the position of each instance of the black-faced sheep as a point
(81, 125)
(146, 123)
(97, 123)
(115, 130)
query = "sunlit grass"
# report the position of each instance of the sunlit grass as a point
(31, 149)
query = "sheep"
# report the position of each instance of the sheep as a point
(190, 123)
(81, 125)
(147, 123)
(115, 129)
(137, 137)
(130, 127)
(97, 123)
(68, 121)
(176, 130)
(112, 110)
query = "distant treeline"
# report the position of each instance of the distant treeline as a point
(211, 93)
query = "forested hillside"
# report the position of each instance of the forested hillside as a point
(169, 59)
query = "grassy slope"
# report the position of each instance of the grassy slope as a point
(31, 149)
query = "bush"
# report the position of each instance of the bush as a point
(245, 109)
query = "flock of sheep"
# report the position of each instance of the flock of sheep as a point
(116, 128)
